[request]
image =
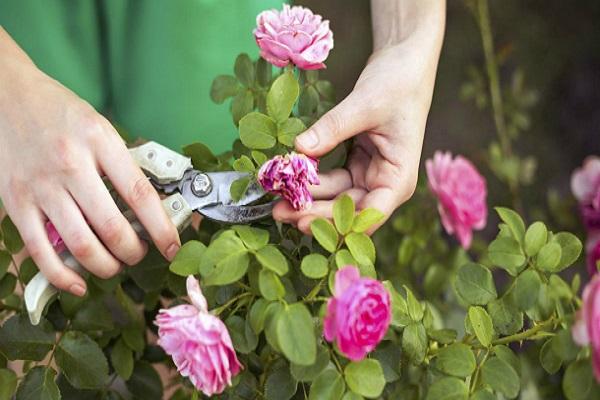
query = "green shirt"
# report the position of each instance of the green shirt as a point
(148, 64)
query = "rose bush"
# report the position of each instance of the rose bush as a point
(327, 316)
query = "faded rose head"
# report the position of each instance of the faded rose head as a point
(358, 315)
(54, 238)
(586, 329)
(293, 35)
(585, 184)
(289, 176)
(198, 342)
(461, 192)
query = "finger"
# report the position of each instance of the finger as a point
(78, 236)
(331, 184)
(108, 222)
(32, 229)
(134, 187)
(342, 122)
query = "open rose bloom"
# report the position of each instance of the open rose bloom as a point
(198, 342)
(593, 253)
(290, 176)
(359, 314)
(461, 192)
(586, 329)
(585, 184)
(294, 35)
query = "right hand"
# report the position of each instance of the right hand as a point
(54, 148)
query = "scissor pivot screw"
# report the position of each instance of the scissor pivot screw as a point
(176, 205)
(201, 185)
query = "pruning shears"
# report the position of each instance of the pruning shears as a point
(189, 190)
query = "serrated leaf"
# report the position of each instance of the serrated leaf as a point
(121, 358)
(258, 131)
(8, 384)
(188, 258)
(456, 360)
(19, 340)
(448, 388)
(282, 96)
(527, 289)
(225, 261)
(535, 238)
(308, 101)
(253, 238)
(295, 334)
(343, 214)
(514, 222)
(10, 236)
(271, 258)
(244, 164)
(223, 87)
(549, 257)
(365, 378)
(414, 342)
(482, 325)
(309, 373)
(578, 381)
(366, 219)
(92, 316)
(288, 130)
(400, 315)
(39, 384)
(506, 318)
(145, 383)
(329, 385)
(361, 246)
(81, 360)
(243, 337)
(501, 376)
(202, 157)
(475, 285)
(280, 385)
(315, 266)
(325, 233)
(507, 253)
(571, 248)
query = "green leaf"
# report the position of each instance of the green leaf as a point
(282, 96)
(343, 213)
(514, 222)
(295, 334)
(272, 313)
(244, 164)
(343, 258)
(150, 273)
(506, 354)
(400, 315)
(271, 258)
(145, 383)
(325, 89)
(243, 337)
(475, 285)
(288, 130)
(223, 87)
(27, 270)
(270, 285)
(527, 289)
(570, 248)
(121, 359)
(443, 336)
(315, 266)
(39, 384)
(202, 158)
(308, 101)
(483, 394)
(280, 385)
(456, 360)
(501, 376)
(92, 316)
(264, 71)
(242, 105)
(309, 373)
(549, 257)
(563, 345)
(7, 285)
(414, 342)
(366, 219)
(535, 238)
(550, 361)
(578, 381)
(81, 360)
(258, 131)
(8, 384)
(506, 318)
(225, 261)
(389, 355)
(244, 70)
(134, 338)
(257, 315)
(482, 325)
(19, 340)
(187, 260)
(415, 308)
(448, 388)
(259, 157)
(238, 188)
(5, 261)
(11, 237)
(506, 253)
(329, 385)
(253, 238)
(362, 248)
(325, 234)
(365, 378)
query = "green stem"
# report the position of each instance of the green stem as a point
(222, 308)
(476, 373)
(518, 337)
(314, 291)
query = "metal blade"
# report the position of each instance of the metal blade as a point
(223, 181)
(234, 214)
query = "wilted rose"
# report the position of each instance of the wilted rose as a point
(198, 342)
(289, 176)
(461, 192)
(358, 315)
(585, 184)
(586, 329)
(293, 35)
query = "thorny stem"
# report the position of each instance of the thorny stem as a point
(518, 337)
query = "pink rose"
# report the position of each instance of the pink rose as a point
(358, 315)
(593, 253)
(585, 184)
(198, 342)
(289, 177)
(54, 238)
(461, 192)
(294, 35)
(586, 329)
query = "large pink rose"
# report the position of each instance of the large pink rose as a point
(289, 176)
(461, 192)
(358, 315)
(586, 329)
(585, 184)
(54, 238)
(198, 342)
(293, 35)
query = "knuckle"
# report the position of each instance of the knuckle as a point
(66, 156)
(111, 231)
(80, 245)
(140, 192)
(109, 270)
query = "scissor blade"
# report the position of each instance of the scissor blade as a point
(234, 214)
(222, 182)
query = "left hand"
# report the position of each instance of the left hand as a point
(386, 114)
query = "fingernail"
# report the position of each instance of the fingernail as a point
(308, 140)
(171, 251)
(77, 290)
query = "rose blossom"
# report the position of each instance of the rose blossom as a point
(54, 238)
(593, 253)
(294, 35)
(586, 329)
(198, 342)
(585, 184)
(289, 176)
(461, 192)
(358, 315)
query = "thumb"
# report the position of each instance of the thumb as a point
(347, 119)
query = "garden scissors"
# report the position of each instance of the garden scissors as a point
(189, 190)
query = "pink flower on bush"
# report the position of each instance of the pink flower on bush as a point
(289, 177)
(593, 253)
(461, 192)
(54, 238)
(293, 35)
(358, 315)
(585, 184)
(198, 342)
(586, 329)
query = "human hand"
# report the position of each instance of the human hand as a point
(54, 148)
(386, 114)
